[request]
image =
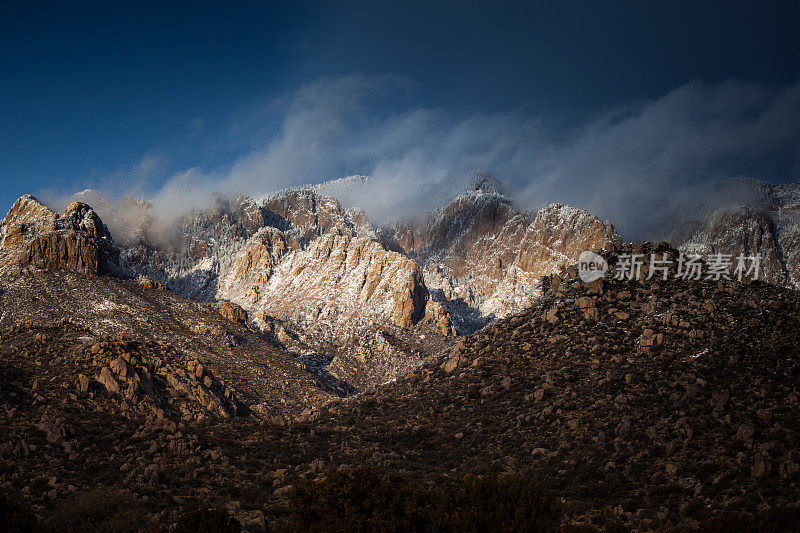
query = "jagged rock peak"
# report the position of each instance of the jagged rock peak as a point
(34, 235)
(130, 202)
(560, 215)
(83, 218)
(485, 182)
(480, 253)
(309, 213)
(94, 198)
(27, 209)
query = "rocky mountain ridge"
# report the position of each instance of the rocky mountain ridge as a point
(640, 404)
(323, 283)
(482, 252)
(336, 295)
(754, 218)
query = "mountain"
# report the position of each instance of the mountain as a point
(361, 302)
(267, 358)
(637, 404)
(660, 403)
(754, 218)
(55, 275)
(483, 258)
(32, 234)
(364, 304)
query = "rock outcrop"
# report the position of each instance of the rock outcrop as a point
(482, 252)
(760, 219)
(554, 239)
(307, 213)
(231, 311)
(437, 315)
(77, 240)
(256, 263)
(330, 295)
(345, 281)
(28, 209)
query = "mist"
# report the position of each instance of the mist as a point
(642, 165)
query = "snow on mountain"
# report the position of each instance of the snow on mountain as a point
(758, 218)
(480, 256)
(325, 188)
(339, 279)
(361, 304)
(481, 253)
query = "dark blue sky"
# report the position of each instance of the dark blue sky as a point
(89, 90)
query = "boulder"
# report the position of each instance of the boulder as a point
(83, 383)
(231, 311)
(437, 315)
(107, 380)
(451, 364)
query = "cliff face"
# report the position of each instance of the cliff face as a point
(764, 219)
(77, 240)
(339, 297)
(740, 230)
(482, 253)
(345, 280)
(255, 264)
(556, 238)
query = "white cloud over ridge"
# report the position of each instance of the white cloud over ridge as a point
(637, 166)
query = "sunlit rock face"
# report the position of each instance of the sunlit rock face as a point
(346, 280)
(481, 253)
(35, 236)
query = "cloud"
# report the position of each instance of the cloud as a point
(322, 131)
(187, 189)
(141, 178)
(640, 165)
(648, 165)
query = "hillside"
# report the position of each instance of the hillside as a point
(648, 403)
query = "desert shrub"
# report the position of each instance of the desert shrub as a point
(774, 521)
(493, 503)
(203, 520)
(370, 499)
(363, 499)
(103, 510)
(13, 517)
